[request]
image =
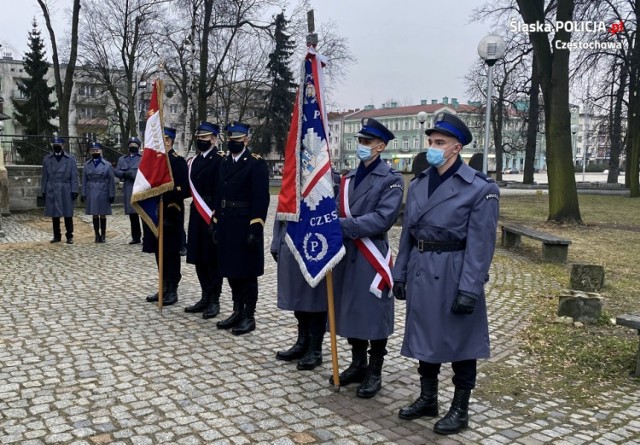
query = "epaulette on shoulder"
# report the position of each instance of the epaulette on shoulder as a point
(175, 153)
(256, 156)
(483, 176)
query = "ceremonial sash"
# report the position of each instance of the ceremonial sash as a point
(201, 206)
(381, 263)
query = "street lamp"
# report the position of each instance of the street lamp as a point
(422, 118)
(574, 130)
(490, 49)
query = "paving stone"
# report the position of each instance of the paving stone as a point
(103, 367)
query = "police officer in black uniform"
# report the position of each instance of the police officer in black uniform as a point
(240, 209)
(173, 204)
(203, 175)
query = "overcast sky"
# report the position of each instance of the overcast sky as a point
(406, 50)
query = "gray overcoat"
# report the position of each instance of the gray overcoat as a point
(98, 185)
(294, 293)
(464, 207)
(126, 170)
(59, 181)
(374, 207)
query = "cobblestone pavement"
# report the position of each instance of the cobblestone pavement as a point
(85, 360)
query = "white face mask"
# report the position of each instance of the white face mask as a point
(364, 152)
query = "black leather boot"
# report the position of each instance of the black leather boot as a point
(171, 296)
(213, 309)
(233, 319)
(373, 379)
(96, 229)
(313, 357)
(153, 298)
(103, 230)
(298, 350)
(426, 404)
(248, 322)
(201, 305)
(357, 369)
(457, 418)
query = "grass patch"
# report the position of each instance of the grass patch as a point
(578, 364)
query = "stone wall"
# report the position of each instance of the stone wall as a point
(24, 187)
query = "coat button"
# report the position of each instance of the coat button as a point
(437, 277)
(417, 274)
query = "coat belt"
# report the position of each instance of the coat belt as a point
(235, 204)
(438, 246)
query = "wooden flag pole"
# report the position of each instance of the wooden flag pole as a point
(332, 331)
(312, 40)
(160, 253)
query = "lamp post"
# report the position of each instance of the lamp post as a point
(4, 179)
(574, 130)
(490, 49)
(422, 118)
(140, 85)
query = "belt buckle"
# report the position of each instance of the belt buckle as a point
(420, 245)
(223, 204)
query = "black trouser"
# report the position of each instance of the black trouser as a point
(244, 291)
(171, 267)
(464, 372)
(68, 225)
(315, 321)
(136, 231)
(378, 347)
(209, 280)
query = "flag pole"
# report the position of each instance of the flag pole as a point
(160, 96)
(312, 40)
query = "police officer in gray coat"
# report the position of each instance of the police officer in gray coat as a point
(446, 247)
(126, 170)
(59, 187)
(370, 198)
(98, 190)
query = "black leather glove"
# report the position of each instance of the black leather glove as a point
(464, 304)
(399, 290)
(82, 198)
(111, 200)
(74, 195)
(274, 254)
(252, 242)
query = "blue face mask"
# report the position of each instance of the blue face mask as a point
(435, 156)
(363, 152)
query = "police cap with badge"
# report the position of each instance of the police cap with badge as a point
(95, 146)
(134, 141)
(237, 130)
(57, 140)
(170, 132)
(451, 125)
(371, 128)
(207, 128)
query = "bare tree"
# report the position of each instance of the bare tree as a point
(63, 89)
(117, 39)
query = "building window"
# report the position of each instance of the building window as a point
(173, 108)
(395, 124)
(415, 143)
(406, 124)
(348, 145)
(395, 144)
(405, 143)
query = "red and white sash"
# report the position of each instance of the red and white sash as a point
(381, 263)
(201, 206)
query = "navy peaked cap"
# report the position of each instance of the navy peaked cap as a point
(451, 125)
(170, 132)
(237, 130)
(95, 146)
(134, 140)
(57, 140)
(206, 128)
(371, 128)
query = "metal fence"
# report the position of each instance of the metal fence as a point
(30, 150)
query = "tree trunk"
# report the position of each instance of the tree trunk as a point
(616, 127)
(204, 62)
(498, 122)
(533, 122)
(633, 167)
(553, 68)
(63, 91)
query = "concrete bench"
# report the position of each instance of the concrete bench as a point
(632, 321)
(554, 248)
